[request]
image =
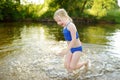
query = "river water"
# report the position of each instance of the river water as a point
(28, 52)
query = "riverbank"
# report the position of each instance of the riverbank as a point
(76, 20)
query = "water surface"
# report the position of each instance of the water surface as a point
(27, 50)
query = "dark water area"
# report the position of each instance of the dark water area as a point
(28, 51)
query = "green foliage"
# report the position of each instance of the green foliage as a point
(100, 7)
(84, 8)
(112, 15)
(7, 10)
(12, 10)
(74, 8)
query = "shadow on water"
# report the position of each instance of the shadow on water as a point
(28, 52)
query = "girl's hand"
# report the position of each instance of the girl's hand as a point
(63, 53)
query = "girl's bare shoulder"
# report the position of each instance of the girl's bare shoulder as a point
(71, 26)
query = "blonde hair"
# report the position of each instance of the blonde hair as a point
(62, 13)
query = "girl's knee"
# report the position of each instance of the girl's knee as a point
(66, 66)
(72, 67)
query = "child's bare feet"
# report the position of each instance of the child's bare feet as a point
(88, 64)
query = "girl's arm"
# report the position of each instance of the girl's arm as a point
(72, 30)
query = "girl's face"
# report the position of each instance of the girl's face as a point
(60, 21)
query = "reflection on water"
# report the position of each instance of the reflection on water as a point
(114, 42)
(108, 35)
(17, 34)
(94, 34)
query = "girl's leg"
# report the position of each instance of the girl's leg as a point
(79, 65)
(68, 58)
(75, 61)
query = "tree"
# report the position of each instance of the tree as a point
(100, 7)
(78, 7)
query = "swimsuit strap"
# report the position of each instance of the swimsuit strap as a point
(67, 24)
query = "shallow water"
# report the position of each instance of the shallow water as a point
(28, 52)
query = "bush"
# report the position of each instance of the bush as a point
(113, 15)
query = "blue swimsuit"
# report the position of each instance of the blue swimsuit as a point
(67, 36)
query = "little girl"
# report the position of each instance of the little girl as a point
(74, 48)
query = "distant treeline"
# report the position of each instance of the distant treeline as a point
(90, 10)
